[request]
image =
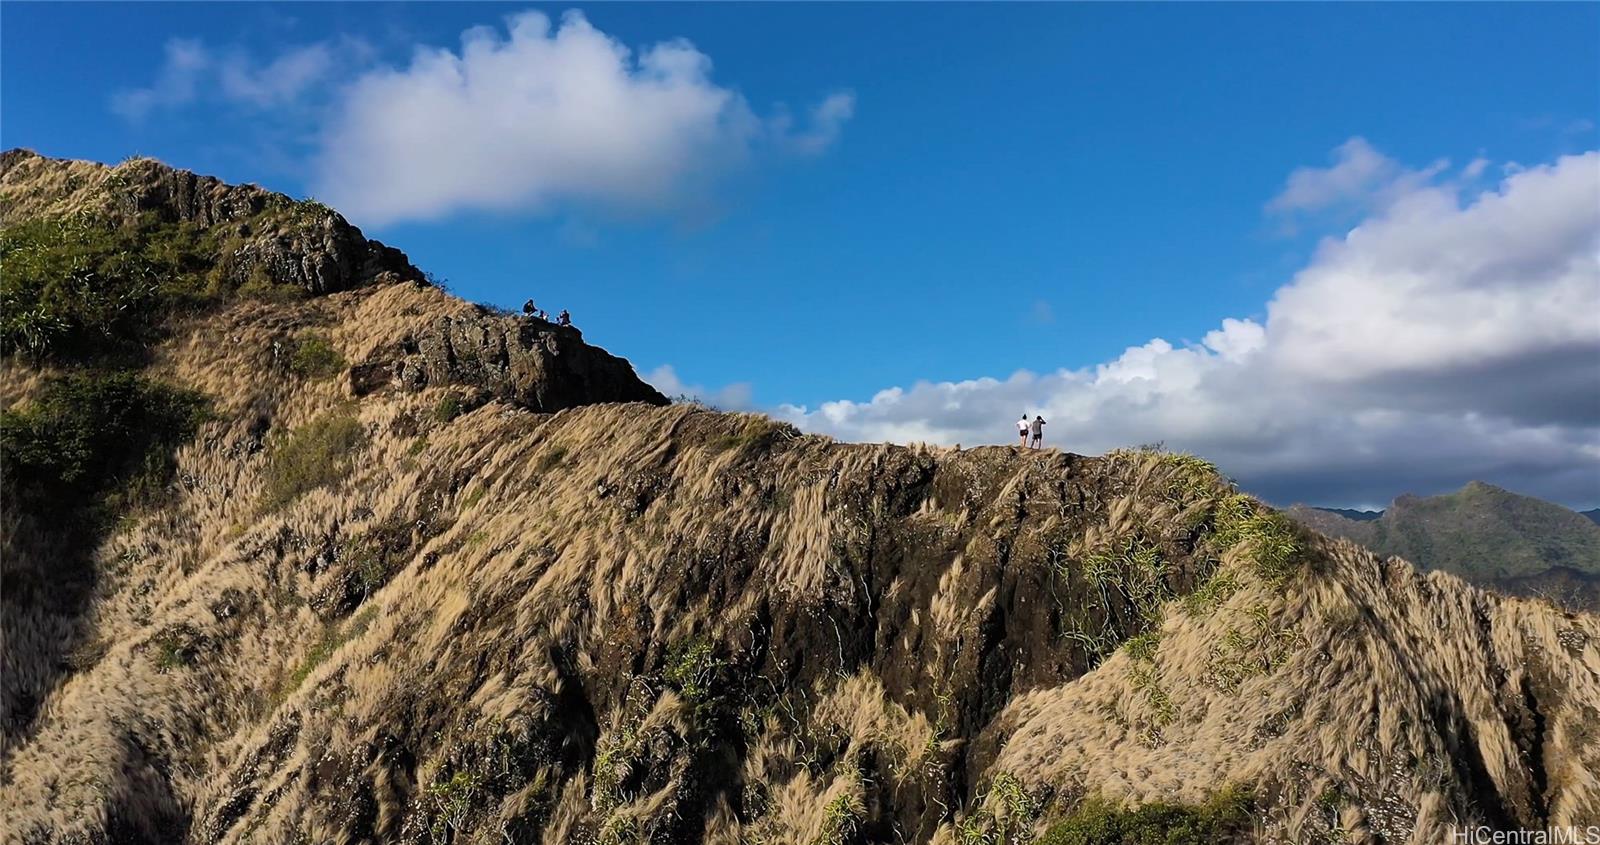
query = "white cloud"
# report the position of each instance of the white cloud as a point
(1360, 177)
(279, 82)
(193, 72)
(176, 85)
(827, 122)
(542, 116)
(1454, 334)
(732, 397)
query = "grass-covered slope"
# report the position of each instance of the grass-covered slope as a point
(105, 272)
(100, 260)
(409, 579)
(1487, 535)
(621, 623)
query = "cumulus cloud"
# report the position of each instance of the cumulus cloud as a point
(1454, 334)
(732, 397)
(542, 115)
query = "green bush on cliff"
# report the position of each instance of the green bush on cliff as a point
(89, 433)
(75, 287)
(81, 286)
(315, 358)
(1223, 818)
(314, 455)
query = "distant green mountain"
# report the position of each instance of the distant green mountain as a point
(1351, 513)
(1487, 535)
(1593, 514)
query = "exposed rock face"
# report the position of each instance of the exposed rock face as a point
(525, 361)
(262, 234)
(322, 255)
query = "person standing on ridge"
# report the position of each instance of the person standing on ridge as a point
(528, 309)
(1022, 430)
(1038, 431)
(564, 319)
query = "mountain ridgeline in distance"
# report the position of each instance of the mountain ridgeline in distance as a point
(1489, 536)
(299, 548)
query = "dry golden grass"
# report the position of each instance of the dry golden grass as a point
(408, 653)
(40, 187)
(1368, 692)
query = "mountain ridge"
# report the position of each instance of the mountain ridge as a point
(398, 586)
(1489, 535)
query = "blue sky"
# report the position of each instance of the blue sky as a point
(996, 188)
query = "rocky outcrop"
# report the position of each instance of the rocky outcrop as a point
(319, 252)
(527, 362)
(262, 235)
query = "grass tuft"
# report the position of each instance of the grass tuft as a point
(315, 358)
(315, 455)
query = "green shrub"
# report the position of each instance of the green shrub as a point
(694, 670)
(448, 408)
(314, 357)
(172, 652)
(260, 286)
(754, 431)
(90, 433)
(314, 455)
(1144, 646)
(1005, 812)
(841, 818)
(1225, 817)
(371, 567)
(1274, 544)
(79, 287)
(1128, 584)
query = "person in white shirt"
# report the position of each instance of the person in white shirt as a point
(1022, 430)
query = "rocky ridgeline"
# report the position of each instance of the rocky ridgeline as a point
(265, 234)
(525, 361)
(360, 608)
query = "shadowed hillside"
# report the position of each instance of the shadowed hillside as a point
(1489, 536)
(414, 571)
